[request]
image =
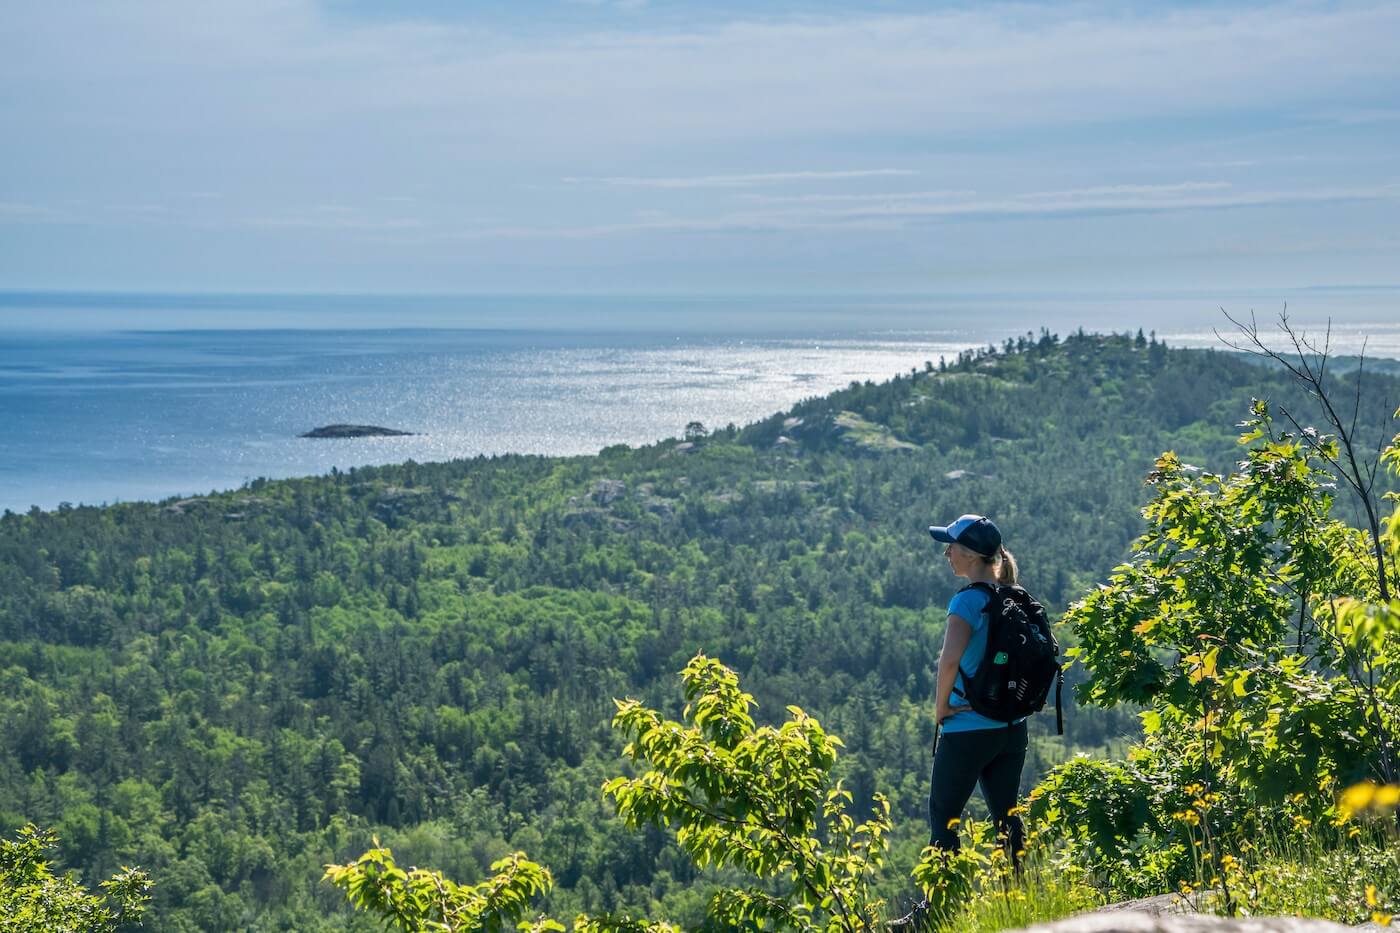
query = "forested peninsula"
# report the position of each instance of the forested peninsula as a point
(234, 691)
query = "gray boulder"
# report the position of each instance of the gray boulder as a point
(607, 491)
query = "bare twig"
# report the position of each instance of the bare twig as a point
(1307, 362)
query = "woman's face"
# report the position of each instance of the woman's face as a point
(958, 559)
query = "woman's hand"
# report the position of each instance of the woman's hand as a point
(943, 710)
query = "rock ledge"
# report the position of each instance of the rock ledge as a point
(1135, 921)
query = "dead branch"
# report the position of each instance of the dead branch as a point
(1307, 362)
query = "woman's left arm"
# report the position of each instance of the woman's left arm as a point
(955, 639)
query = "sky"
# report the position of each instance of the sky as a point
(647, 146)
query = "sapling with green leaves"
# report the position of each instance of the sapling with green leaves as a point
(759, 798)
(736, 794)
(419, 900)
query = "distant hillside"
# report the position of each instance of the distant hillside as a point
(233, 690)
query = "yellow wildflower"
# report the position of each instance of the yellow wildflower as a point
(1356, 798)
(1381, 798)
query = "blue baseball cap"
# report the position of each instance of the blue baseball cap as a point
(974, 532)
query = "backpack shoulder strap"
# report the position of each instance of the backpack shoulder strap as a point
(991, 592)
(987, 588)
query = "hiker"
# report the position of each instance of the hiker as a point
(998, 663)
(972, 748)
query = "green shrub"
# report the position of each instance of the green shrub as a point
(34, 900)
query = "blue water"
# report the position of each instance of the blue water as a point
(105, 417)
(117, 398)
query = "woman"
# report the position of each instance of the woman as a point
(972, 749)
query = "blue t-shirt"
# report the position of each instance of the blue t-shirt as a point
(969, 604)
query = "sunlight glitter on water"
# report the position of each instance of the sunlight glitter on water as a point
(1376, 340)
(124, 428)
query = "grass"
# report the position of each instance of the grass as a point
(1348, 874)
(1039, 898)
(1348, 879)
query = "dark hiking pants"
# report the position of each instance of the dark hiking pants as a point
(992, 757)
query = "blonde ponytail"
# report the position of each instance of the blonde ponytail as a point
(1007, 574)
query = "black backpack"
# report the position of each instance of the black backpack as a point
(1022, 660)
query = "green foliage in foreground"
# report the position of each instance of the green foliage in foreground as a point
(420, 899)
(1259, 633)
(34, 900)
(759, 798)
(719, 776)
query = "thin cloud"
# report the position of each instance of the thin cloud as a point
(740, 181)
(458, 93)
(332, 220)
(894, 213)
(877, 197)
(1121, 199)
(850, 213)
(18, 211)
(946, 72)
(1362, 117)
(328, 217)
(149, 210)
(628, 5)
(1142, 191)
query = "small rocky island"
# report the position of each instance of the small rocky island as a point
(354, 430)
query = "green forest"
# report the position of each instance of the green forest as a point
(235, 691)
